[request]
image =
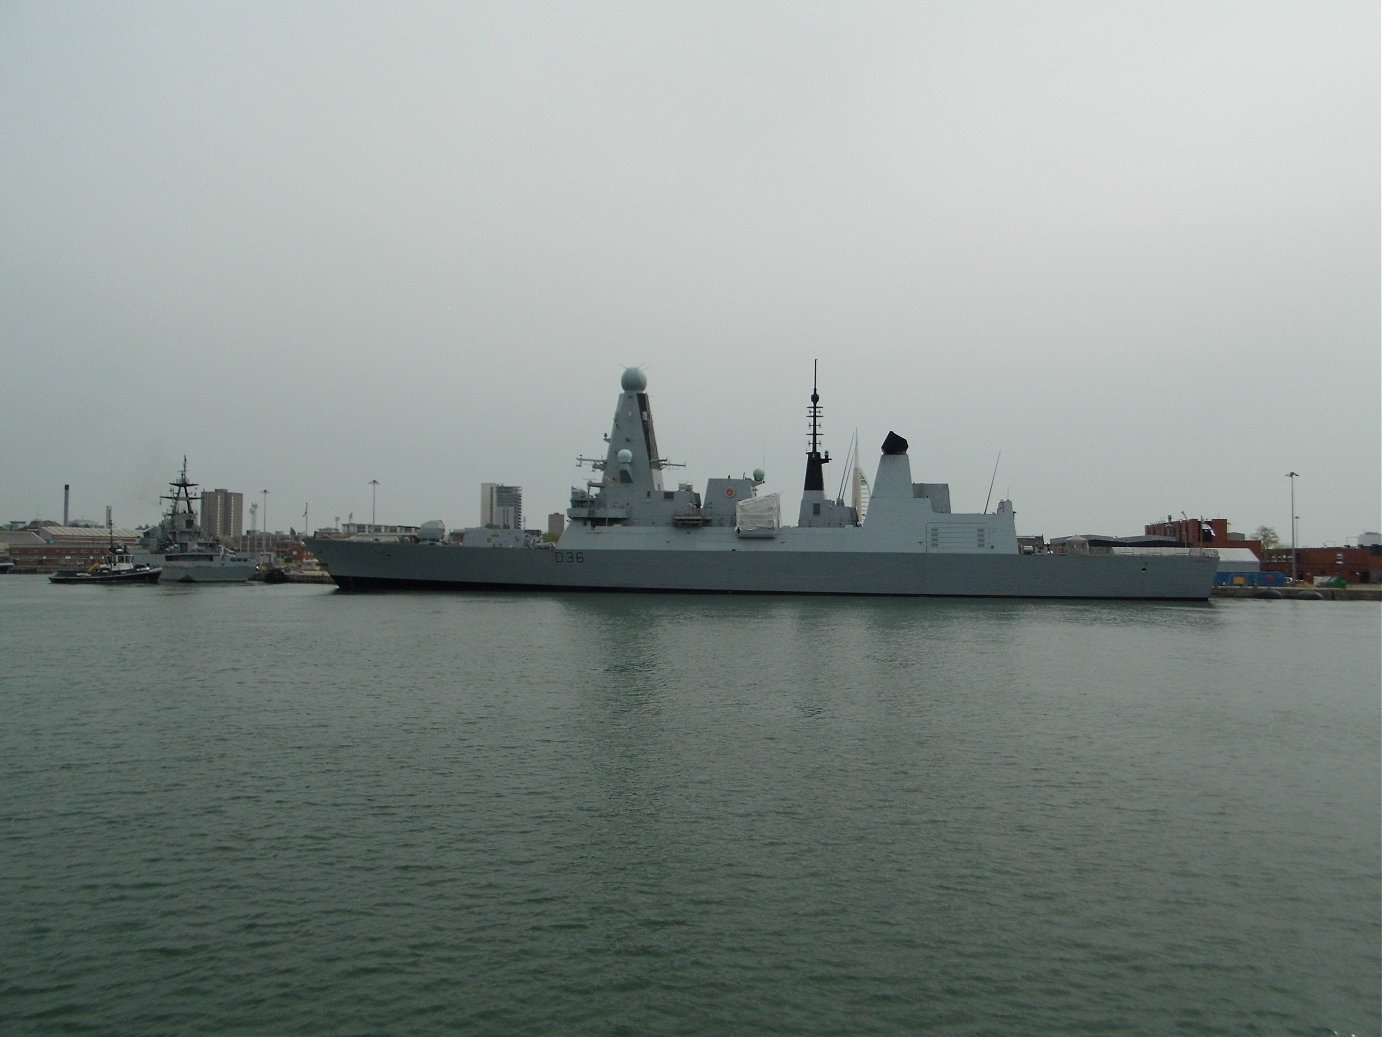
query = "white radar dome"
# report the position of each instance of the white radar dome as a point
(432, 529)
(626, 456)
(634, 380)
(758, 475)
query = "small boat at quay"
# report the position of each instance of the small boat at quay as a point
(629, 532)
(116, 568)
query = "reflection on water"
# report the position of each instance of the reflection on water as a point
(289, 810)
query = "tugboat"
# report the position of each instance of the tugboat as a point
(116, 567)
(178, 546)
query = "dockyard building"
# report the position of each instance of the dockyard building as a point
(50, 549)
(501, 506)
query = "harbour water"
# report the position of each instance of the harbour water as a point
(270, 810)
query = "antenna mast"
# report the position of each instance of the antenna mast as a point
(815, 477)
(992, 481)
(815, 409)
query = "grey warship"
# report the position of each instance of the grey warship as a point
(628, 532)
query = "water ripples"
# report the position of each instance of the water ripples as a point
(622, 815)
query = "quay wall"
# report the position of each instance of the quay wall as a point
(1353, 592)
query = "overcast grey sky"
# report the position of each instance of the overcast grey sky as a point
(1132, 246)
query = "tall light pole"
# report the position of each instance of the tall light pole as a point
(1293, 476)
(264, 515)
(373, 495)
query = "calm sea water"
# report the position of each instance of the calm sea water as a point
(271, 810)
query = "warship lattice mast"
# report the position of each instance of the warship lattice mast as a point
(815, 460)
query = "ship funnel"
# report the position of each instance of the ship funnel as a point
(894, 470)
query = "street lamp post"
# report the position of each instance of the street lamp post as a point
(1293, 476)
(373, 496)
(264, 515)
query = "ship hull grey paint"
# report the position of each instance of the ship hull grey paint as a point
(232, 570)
(362, 565)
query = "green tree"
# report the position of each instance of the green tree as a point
(1267, 535)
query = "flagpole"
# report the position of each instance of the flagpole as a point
(1293, 476)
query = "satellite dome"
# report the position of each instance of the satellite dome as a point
(626, 456)
(634, 380)
(758, 475)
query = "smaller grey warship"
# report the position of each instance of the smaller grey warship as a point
(628, 532)
(179, 547)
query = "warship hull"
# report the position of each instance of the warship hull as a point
(370, 566)
(175, 571)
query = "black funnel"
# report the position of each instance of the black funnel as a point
(894, 444)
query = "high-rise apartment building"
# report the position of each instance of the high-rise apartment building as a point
(501, 505)
(223, 514)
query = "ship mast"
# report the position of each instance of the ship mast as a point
(182, 490)
(815, 473)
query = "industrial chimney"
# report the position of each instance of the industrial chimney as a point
(66, 500)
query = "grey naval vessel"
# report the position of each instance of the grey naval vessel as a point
(182, 550)
(629, 532)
